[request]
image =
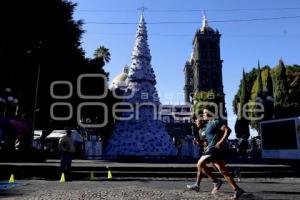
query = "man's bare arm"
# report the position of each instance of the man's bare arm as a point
(226, 132)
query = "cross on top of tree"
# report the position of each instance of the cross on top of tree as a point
(204, 13)
(142, 9)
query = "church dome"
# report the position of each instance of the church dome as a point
(120, 80)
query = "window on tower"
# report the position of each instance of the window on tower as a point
(204, 55)
(191, 81)
(203, 45)
(212, 55)
(213, 46)
(205, 79)
(214, 80)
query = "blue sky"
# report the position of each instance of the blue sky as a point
(242, 43)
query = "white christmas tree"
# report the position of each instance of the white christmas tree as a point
(144, 134)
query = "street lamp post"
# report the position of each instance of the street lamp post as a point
(36, 98)
(38, 46)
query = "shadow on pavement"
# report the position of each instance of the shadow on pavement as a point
(8, 189)
(281, 192)
(249, 196)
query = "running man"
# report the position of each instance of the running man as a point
(216, 133)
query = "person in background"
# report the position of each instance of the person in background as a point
(178, 144)
(67, 149)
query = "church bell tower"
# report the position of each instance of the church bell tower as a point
(203, 71)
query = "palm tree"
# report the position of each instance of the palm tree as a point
(103, 54)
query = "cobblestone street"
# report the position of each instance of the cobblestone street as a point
(149, 189)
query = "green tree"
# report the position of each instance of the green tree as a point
(101, 57)
(242, 124)
(209, 99)
(255, 87)
(268, 97)
(281, 90)
(103, 54)
(258, 97)
(250, 78)
(293, 79)
(259, 82)
(281, 82)
(243, 99)
(49, 40)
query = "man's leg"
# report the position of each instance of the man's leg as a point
(63, 163)
(69, 162)
(68, 166)
(203, 169)
(200, 172)
(220, 164)
(223, 170)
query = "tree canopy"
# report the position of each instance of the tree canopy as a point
(211, 99)
(43, 36)
(276, 88)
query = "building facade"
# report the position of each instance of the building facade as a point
(203, 71)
